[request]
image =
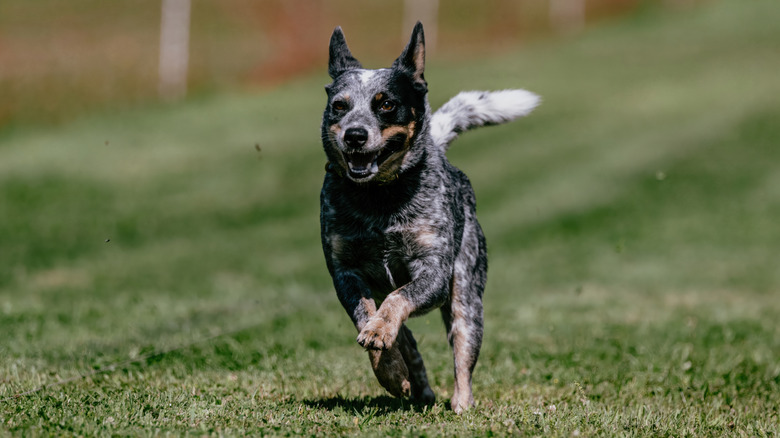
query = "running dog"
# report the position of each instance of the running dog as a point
(398, 221)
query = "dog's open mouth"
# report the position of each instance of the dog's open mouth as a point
(363, 165)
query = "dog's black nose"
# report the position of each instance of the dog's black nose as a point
(355, 137)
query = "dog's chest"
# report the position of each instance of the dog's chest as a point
(381, 256)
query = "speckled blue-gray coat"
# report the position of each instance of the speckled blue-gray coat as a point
(399, 226)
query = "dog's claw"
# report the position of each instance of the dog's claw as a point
(372, 342)
(376, 335)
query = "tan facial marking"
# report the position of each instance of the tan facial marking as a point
(392, 131)
(407, 131)
(389, 168)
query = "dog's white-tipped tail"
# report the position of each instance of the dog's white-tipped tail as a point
(471, 109)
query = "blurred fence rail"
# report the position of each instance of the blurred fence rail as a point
(59, 59)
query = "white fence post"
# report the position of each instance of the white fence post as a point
(174, 49)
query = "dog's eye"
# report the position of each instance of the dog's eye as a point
(338, 105)
(387, 106)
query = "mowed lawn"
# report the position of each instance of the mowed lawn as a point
(161, 269)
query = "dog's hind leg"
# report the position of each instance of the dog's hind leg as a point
(462, 315)
(421, 390)
(391, 371)
(463, 321)
(400, 370)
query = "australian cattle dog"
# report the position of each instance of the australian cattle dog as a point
(399, 225)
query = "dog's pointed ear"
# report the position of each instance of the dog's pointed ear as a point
(412, 59)
(341, 58)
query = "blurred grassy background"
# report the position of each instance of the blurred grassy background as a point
(631, 223)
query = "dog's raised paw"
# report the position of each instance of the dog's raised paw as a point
(377, 335)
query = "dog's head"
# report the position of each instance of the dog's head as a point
(374, 117)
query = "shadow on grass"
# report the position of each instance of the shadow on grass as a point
(383, 404)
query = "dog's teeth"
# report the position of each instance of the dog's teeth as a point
(361, 163)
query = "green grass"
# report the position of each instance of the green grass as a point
(173, 272)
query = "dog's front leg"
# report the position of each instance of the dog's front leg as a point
(388, 365)
(426, 292)
(355, 297)
(381, 330)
